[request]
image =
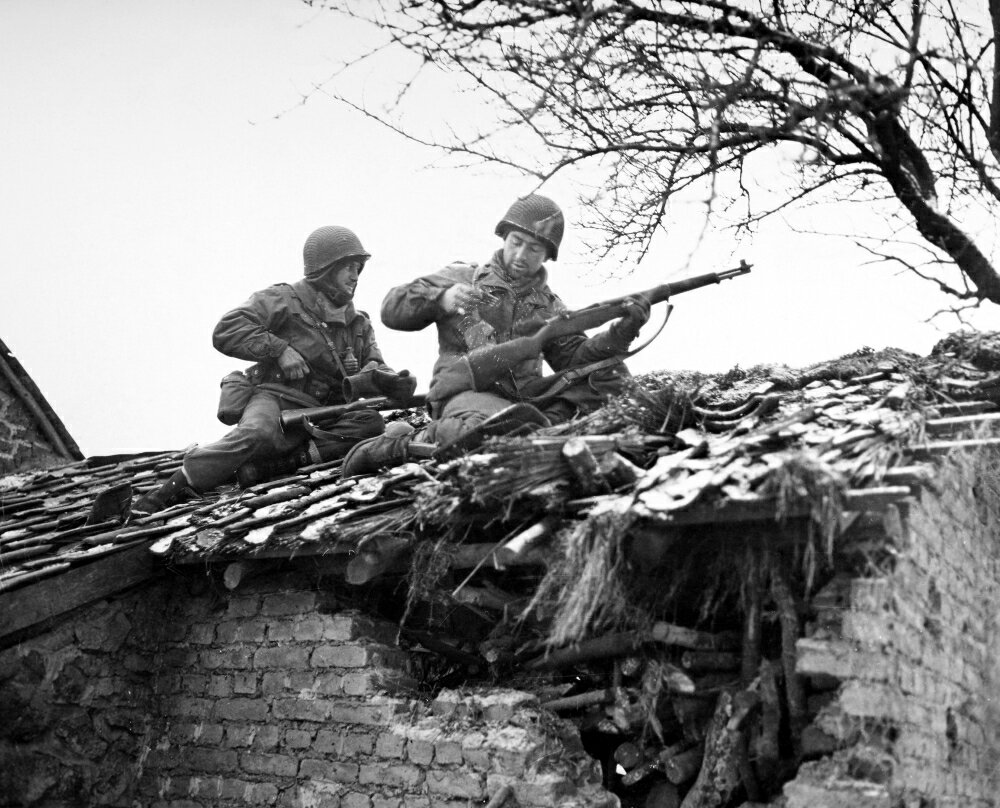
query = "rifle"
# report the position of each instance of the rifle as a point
(489, 362)
(300, 417)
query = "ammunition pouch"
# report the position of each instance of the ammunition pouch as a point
(235, 393)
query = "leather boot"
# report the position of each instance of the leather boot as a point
(258, 471)
(176, 489)
(384, 451)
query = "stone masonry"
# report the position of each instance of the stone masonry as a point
(173, 698)
(916, 720)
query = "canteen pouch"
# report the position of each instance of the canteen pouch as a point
(234, 395)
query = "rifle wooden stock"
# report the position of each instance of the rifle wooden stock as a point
(291, 418)
(490, 361)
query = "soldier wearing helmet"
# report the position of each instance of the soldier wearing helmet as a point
(305, 339)
(473, 305)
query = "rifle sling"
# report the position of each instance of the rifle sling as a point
(315, 324)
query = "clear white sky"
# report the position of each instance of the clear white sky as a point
(150, 183)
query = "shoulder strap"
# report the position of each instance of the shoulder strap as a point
(314, 323)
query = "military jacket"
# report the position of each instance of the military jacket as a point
(299, 315)
(414, 306)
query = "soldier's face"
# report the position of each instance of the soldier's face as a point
(341, 281)
(523, 255)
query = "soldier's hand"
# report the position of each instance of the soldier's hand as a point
(398, 386)
(636, 316)
(463, 296)
(292, 364)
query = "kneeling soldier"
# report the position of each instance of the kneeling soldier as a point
(307, 339)
(491, 304)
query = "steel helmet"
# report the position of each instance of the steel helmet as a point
(328, 245)
(537, 216)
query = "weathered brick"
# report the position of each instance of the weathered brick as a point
(277, 683)
(280, 630)
(338, 771)
(456, 783)
(178, 657)
(266, 737)
(358, 743)
(298, 739)
(219, 687)
(278, 765)
(312, 793)
(355, 800)
(243, 606)
(241, 709)
(340, 656)
(390, 745)
(309, 628)
(394, 775)
(239, 631)
(225, 658)
(208, 734)
(239, 735)
(201, 634)
(194, 684)
(245, 684)
(447, 753)
(232, 788)
(301, 710)
(288, 603)
(261, 794)
(374, 712)
(183, 706)
(281, 657)
(210, 760)
(329, 683)
(420, 751)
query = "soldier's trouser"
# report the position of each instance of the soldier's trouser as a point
(460, 414)
(468, 410)
(258, 435)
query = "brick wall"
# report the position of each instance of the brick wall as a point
(916, 719)
(274, 697)
(179, 697)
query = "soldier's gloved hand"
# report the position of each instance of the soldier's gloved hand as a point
(398, 386)
(293, 365)
(636, 315)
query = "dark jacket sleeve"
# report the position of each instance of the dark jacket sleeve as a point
(247, 332)
(415, 305)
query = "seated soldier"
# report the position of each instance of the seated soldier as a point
(307, 340)
(504, 298)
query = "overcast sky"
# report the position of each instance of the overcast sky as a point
(157, 167)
